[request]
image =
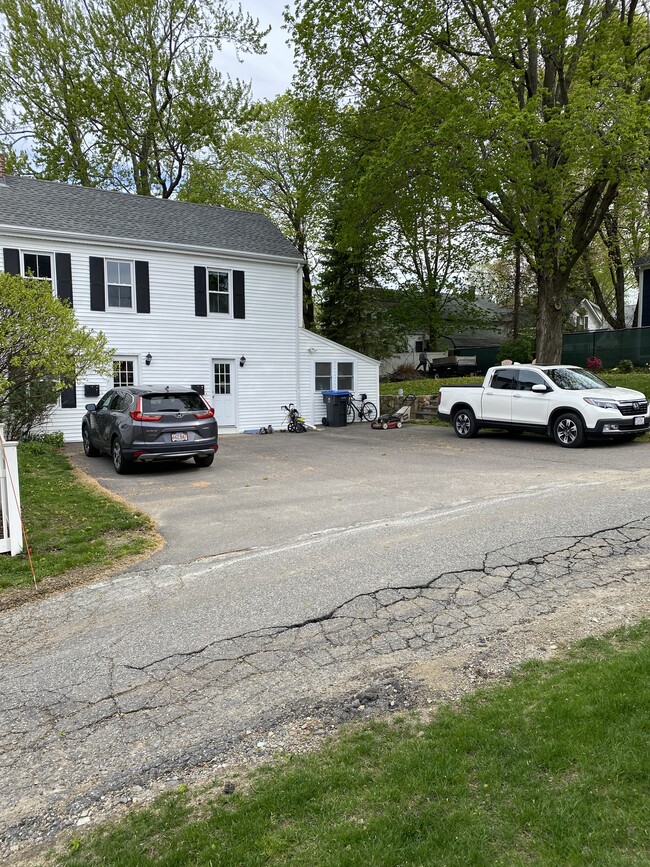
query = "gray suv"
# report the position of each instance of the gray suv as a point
(150, 424)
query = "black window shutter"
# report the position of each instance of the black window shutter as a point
(97, 290)
(238, 295)
(11, 261)
(200, 292)
(69, 397)
(64, 277)
(142, 301)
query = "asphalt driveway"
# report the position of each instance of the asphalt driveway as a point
(269, 490)
(307, 579)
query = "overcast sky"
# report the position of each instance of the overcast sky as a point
(269, 73)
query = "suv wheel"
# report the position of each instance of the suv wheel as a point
(89, 449)
(120, 463)
(203, 460)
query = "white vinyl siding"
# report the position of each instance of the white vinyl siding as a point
(183, 346)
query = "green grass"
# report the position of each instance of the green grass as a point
(638, 381)
(68, 523)
(550, 769)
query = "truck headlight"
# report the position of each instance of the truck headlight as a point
(601, 403)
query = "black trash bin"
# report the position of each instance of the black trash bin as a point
(336, 403)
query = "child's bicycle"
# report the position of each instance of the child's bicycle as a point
(294, 421)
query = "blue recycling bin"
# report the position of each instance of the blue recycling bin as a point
(336, 404)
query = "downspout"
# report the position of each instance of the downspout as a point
(299, 325)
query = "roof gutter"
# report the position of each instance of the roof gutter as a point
(112, 241)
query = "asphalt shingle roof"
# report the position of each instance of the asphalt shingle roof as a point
(26, 202)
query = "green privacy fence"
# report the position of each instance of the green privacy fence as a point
(610, 346)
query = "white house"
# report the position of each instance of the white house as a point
(588, 317)
(186, 294)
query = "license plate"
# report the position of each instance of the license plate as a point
(639, 419)
(179, 437)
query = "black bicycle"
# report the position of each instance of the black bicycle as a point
(365, 409)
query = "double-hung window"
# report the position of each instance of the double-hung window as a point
(323, 376)
(119, 284)
(345, 376)
(219, 292)
(37, 265)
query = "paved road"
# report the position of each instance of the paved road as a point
(302, 571)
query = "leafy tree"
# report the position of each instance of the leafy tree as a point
(42, 350)
(122, 92)
(355, 309)
(538, 111)
(275, 166)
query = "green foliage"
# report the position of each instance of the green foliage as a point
(625, 366)
(536, 114)
(119, 92)
(42, 349)
(354, 307)
(551, 768)
(521, 349)
(275, 165)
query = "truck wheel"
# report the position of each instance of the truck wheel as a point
(569, 431)
(465, 424)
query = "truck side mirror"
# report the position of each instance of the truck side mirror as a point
(538, 388)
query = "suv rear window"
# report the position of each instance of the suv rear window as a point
(171, 402)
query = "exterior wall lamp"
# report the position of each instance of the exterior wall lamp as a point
(242, 361)
(148, 359)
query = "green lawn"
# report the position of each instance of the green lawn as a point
(638, 381)
(550, 769)
(69, 523)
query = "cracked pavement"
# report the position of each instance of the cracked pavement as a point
(175, 668)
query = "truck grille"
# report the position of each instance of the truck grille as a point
(636, 407)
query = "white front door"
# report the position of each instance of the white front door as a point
(223, 390)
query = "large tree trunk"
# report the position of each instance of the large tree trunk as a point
(551, 288)
(307, 298)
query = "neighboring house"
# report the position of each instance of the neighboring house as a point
(643, 264)
(468, 340)
(588, 317)
(186, 294)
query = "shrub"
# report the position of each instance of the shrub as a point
(594, 363)
(521, 349)
(626, 365)
(54, 439)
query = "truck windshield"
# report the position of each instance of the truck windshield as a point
(575, 378)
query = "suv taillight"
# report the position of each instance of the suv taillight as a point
(209, 411)
(137, 414)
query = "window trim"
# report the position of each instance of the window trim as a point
(317, 377)
(228, 272)
(52, 258)
(352, 377)
(109, 307)
(126, 358)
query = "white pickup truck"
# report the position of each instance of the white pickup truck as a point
(567, 403)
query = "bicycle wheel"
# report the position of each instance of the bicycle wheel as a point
(350, 416)
(369, 411)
